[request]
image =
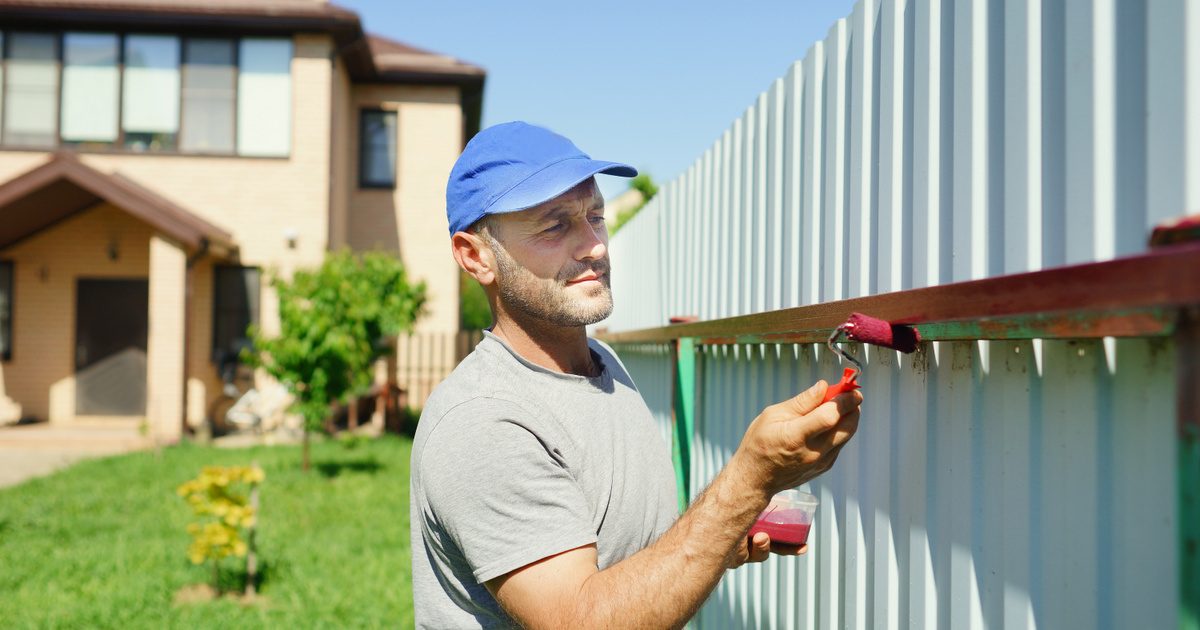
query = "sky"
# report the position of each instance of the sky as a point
(652, 84)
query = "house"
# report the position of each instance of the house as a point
(159, 160)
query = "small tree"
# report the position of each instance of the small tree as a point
(221, 498)
(335, 322)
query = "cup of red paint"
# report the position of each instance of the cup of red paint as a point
(788, 517)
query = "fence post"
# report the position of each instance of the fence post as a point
(1187, 338)
(683, 414)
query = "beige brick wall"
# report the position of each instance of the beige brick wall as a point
(203, 382)
(411, 220)
(40, 376)
(164, 352)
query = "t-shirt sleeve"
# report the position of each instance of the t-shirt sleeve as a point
(495, 486)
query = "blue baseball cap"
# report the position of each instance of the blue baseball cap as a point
(514, 166)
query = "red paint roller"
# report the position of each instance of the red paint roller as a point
(866, 329)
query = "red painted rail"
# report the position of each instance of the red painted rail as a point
(1136, 296)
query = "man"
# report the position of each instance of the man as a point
(542, 494)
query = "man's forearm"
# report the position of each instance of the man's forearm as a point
(665, 584)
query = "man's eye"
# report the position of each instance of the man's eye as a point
(554, 228)
(597, 220)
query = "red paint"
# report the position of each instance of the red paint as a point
(847, 384)
(867, 329)
(784, 526)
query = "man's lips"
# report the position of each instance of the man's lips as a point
(587, 278)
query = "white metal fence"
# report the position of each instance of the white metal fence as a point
(1011, 484)
(926, 142)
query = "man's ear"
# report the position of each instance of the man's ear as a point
(474, 256)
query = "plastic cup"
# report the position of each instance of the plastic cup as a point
(788, 517)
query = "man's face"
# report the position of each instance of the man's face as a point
(552, 259)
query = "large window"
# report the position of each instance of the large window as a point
(235, 307)
(377, 149)
(264, 112)
(6, 309)
(90, 88)
(150, 114)
(209, 95)
(31, 89)
(146, 92)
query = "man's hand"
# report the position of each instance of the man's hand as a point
(796, 440)
(760, 547)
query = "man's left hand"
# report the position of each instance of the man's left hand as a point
(760, 547)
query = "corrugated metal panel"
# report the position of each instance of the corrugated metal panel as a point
(925, 142)
(992, 484)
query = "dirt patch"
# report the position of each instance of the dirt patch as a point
(204, 593)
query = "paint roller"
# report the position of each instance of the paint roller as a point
(872, 330)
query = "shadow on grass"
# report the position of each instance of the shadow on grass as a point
(368, 465)
(235, 581)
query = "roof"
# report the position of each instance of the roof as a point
(394, 58)
(65, 186)
(369, 58)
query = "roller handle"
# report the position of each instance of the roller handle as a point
(847, 384)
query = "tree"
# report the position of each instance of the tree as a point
(335, 322)
(643, 184)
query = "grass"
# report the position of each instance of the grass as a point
(102, 544)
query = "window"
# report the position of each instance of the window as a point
(209, 95)
(264, 108)
(6, 309)
(150, 101)
(31, 90)
(377, 149)
(146, 92)
(90, 84)
(235, 307)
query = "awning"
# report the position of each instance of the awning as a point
(64, 186)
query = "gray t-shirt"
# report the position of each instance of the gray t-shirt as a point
(513, 463)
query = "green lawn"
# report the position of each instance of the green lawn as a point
(102, 544)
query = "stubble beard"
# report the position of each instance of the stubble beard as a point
(549, 300)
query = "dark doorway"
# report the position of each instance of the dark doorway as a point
(111, 327)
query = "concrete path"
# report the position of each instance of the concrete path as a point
(34, 450)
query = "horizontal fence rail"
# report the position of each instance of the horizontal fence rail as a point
(989, 172)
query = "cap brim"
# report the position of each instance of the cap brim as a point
(555, 180)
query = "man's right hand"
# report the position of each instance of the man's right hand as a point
(793, 441)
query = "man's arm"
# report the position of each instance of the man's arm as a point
(665, 584)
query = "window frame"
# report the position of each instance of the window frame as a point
(6, 75)
(363, 183)
(183, 70)
(6, 354)
(118, 146)
(216, 276)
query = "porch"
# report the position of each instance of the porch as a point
(100, 305)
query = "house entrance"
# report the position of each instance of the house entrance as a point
(111, 327)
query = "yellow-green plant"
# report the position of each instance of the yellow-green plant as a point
(221, 500)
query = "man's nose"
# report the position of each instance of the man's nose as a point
(591, 243)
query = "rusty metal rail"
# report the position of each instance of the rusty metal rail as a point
(1136, 296)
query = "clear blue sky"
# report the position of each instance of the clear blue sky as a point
(649, 83)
